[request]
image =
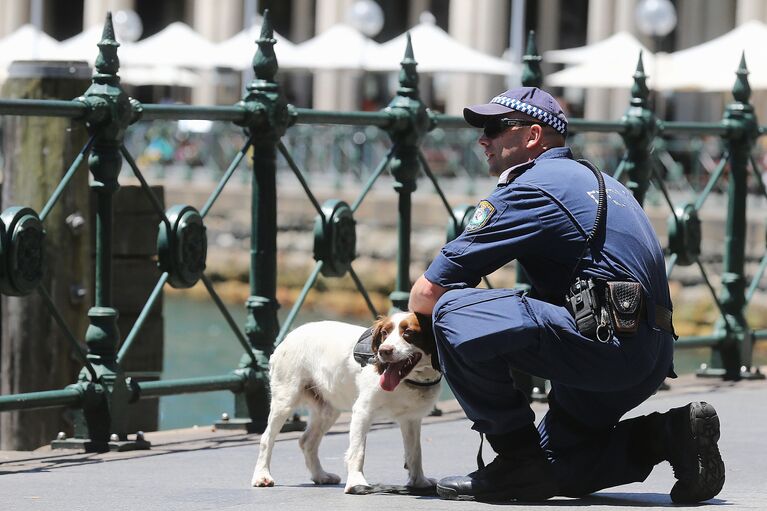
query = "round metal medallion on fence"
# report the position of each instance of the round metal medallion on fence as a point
(22, 251)
(461, 217)
(335, 239)
(182, 251)
(684, 235)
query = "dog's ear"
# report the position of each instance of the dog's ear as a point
(427, 333)
(379, 332)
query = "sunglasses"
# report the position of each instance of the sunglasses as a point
(495, 127)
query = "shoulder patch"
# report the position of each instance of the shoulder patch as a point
(482, 214)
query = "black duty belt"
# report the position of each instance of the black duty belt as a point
(603, 308)
(663, 319)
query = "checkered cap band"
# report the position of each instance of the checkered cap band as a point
(533, 111)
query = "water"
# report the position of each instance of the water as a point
(198, 342)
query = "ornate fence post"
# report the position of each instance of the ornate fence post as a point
(109, 114)
(640, 127)
(266, 121)
(531, 63)
(531, 77)
(534, 387)
(743, 130)
(411, 122)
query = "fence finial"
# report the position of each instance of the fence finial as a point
(531, 63)
(408, 76)
(265, 60)
(107, 62)
(741, 90)
(639, 91)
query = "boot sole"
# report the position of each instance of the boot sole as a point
(704, 423)
(543, 491)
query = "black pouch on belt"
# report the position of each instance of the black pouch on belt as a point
(582, 301)
(625, 301)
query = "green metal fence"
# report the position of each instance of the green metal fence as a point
(103, 394)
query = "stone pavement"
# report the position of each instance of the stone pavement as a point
(201, 469)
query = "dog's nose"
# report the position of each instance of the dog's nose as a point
(386, 352)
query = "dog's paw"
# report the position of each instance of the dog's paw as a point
(262, 480)
(421, 482)
(356, 484)
(359, 489)
(326, 478)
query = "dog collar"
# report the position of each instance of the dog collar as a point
(423, 383)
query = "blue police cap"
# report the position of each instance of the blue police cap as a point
(531, 101)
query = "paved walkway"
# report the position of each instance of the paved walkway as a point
(201, 469)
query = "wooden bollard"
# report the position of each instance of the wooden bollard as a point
(37, 151)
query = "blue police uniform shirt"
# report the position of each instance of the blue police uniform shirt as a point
(541, 219)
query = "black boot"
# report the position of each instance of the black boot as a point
(521, 471)
(692, 435)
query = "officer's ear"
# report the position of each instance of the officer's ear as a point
(534, 136)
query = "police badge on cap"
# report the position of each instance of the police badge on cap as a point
(531, 101)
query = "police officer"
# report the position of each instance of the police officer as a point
(597, 323)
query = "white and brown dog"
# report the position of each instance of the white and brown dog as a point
(314, 366)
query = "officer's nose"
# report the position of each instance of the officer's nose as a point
(483, 140)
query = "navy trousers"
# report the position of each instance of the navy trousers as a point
(483, 333)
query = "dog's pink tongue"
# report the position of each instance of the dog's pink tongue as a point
(390, 377)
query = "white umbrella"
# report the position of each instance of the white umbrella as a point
(238, 51)
(436, 52)
(27, 43)
(617, 73)
(159, 75)
(615, 47)
(711, 66)
(177, 45)
(83, 46)
(339, 47)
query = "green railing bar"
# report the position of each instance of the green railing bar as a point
(292, 164)
(757, 176)
(142, 317)
(619, 171)
(699, 341)
(759, 334)
(450, 121)
(67, 332)
(43, 108)
(685, 128)
(662, 187)
(373, 177)
(713, 294)
(671, 263)
(154, 112)
(234, 382)
(578, 125)
(225, 178)
(299, 302)
(44, 399)
(712, 181)
(228, 317)
(378, 119)
(428, 172)
(145, 186)
(755, 280)
(65, 180)
(363, 292)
